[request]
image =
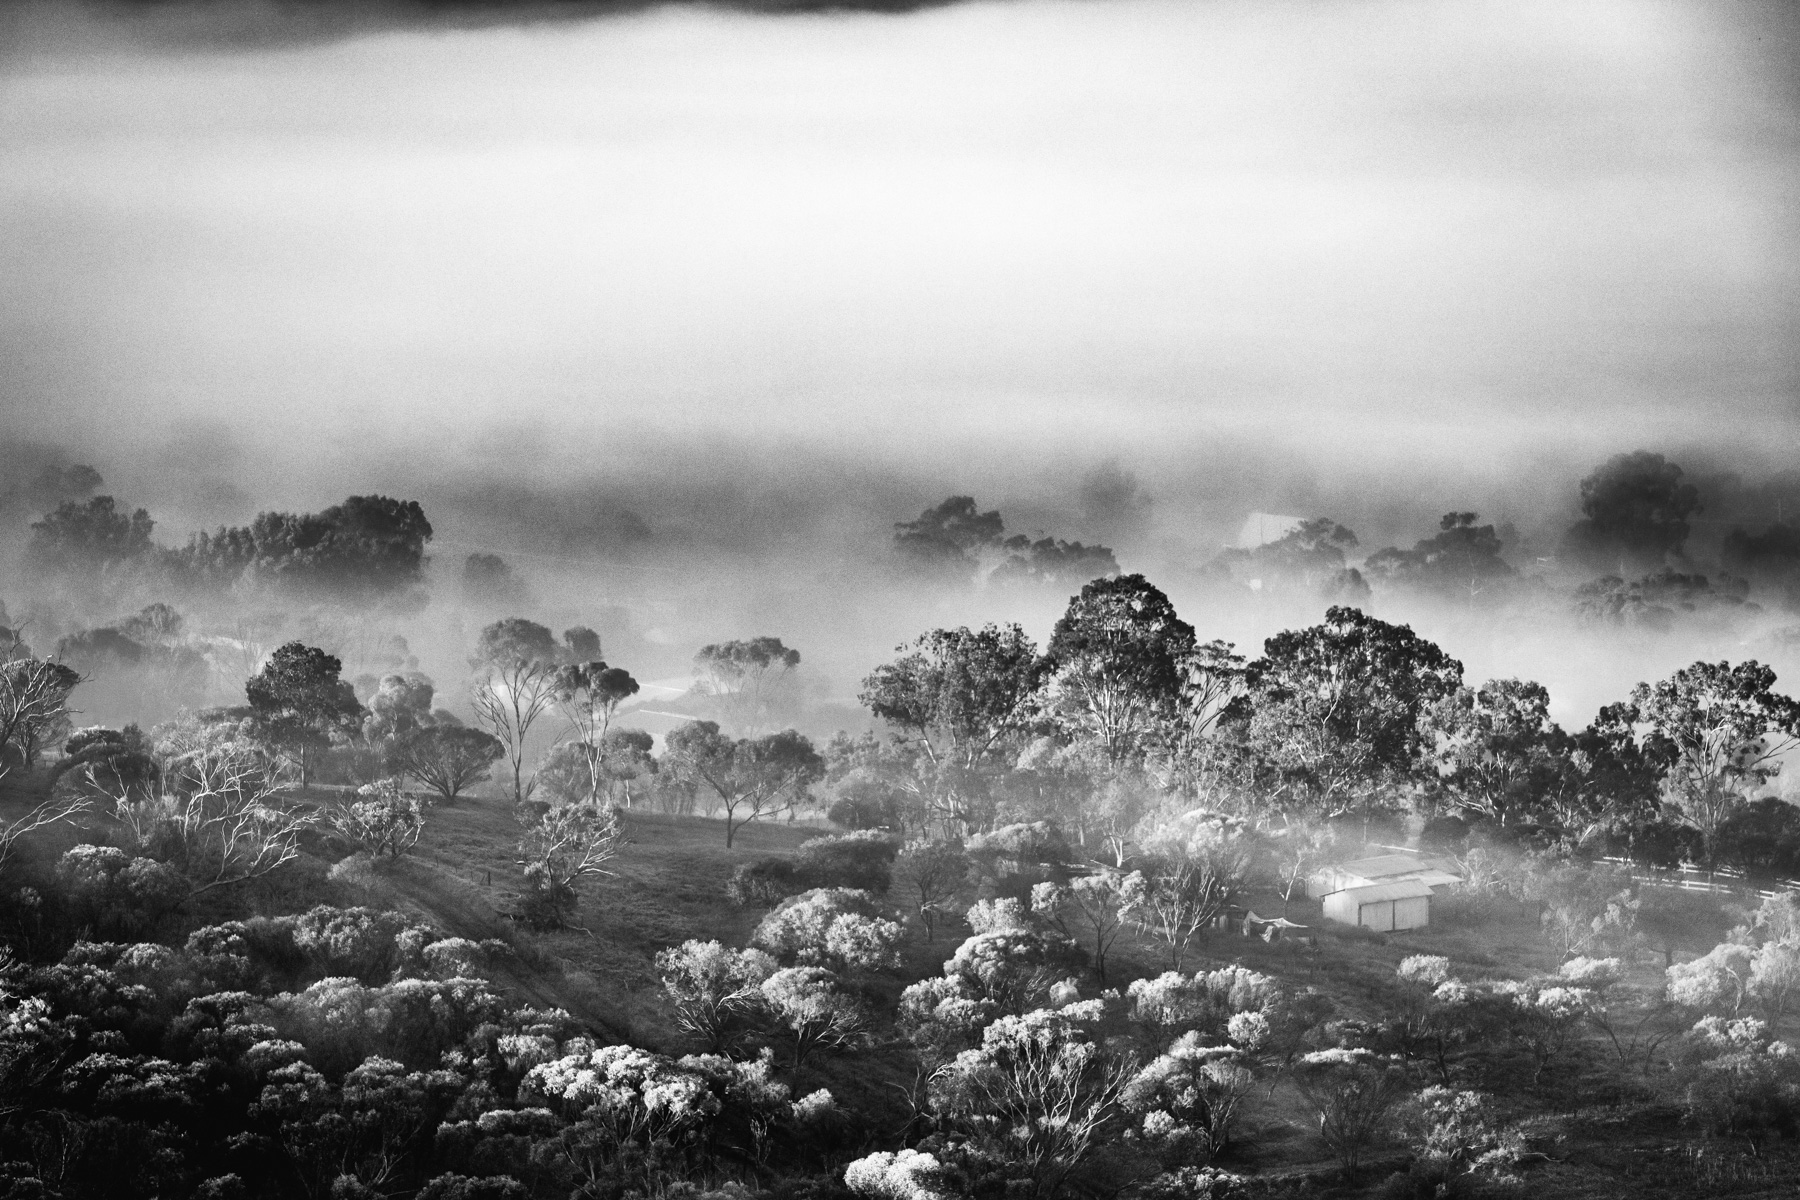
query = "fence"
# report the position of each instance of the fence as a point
(1726, 881)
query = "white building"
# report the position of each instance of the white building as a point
(1383, 868)
(1385, 892)
(1405, 904)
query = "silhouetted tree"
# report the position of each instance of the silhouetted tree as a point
(745, 678)
(1463, 560)
(949, 534)
(1634, 514)
(87, 537)
(300, 704)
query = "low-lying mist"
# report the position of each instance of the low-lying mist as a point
(678, 312)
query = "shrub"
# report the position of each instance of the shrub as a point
(810, 1005)
(935, 871)
(1352, 1090)
(380, 818)
(1013, 968)
(1015, 857)
(115, 894)
(365, 943)
(714, 988)
(907, 1175)
(1737, 1081)
(1186, 1100)
(764, 883)
(863, 860)
(838, 927)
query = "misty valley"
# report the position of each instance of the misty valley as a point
(1123, 910)
(899, 600)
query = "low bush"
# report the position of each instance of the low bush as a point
(764, 883)
(862, 860)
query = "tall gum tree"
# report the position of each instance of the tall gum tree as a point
(1336, 707)
(960, 703)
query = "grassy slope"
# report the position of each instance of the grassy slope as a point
(669, 886)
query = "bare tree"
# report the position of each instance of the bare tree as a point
(217, 818)
(34, 703)
(49, 812)
(560, 847)
(1188, 882)
(518, 666)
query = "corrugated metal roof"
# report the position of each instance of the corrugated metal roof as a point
(1405, 889)
(1385, 864)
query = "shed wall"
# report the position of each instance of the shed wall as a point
(1412, 913)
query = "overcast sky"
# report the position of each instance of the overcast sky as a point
(1247, 250)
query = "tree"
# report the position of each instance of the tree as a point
(1309, 557)
(1718, 732)
(562, 846)
(745, 678)
(1214, 680)
(366, 547)
(381, 817)
(490, 579)
(445, 758)
(301, 704)
(401, 704)
(590, 694)
(217, 817)
(1462, 560)
(39, 816)
(1771, 558)
(1336, 707)
(752, 778)
(714, 989)
(1115, 660)
(90, 537)
(935, 871)
(1299, 846)
(948, 535)
(1093, 907)
(517, 664)
(627, 760)
(1606, 777)
(1497, 749)
(1634, 514)
(1052, 562)
(1763, 839)
(1188, 882)
(34, 706)
(811, 1005)
(959, 700)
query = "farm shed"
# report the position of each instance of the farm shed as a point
(1383, 868)
(1405, 904)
